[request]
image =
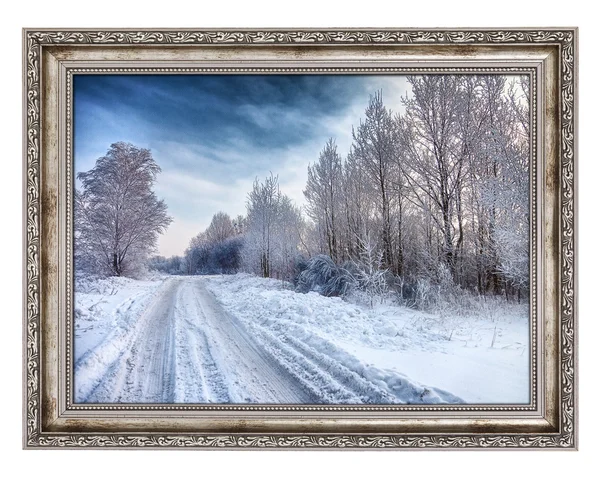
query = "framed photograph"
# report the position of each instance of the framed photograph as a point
(310, 239)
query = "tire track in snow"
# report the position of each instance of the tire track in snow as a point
(108, 368)
(143, 371)
(253, 375)
(333, 380)
(186, 348)
(198, 378)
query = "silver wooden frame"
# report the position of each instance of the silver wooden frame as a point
(52, 57)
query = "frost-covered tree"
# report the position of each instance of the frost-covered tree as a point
(239, 225)
(359, 205)
(323, 194)
(273, 231)
(221, 228)
(287, 238)
(262, 209)
(197, 254)
(506, 190)
(375, 147)
(118, 217)
(432, 143)
(368, 272)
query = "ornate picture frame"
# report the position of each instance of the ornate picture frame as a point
(52, 57)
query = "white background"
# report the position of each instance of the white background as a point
(298, 13)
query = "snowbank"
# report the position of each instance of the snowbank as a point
(352, 354)
(306, 333)
(105, 320)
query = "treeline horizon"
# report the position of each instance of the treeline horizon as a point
(438, 193)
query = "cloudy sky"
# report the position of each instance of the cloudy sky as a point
(213, 135)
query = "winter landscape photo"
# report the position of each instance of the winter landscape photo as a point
(301, 239)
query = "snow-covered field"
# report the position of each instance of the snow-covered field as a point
(239, 338)
(389, 344)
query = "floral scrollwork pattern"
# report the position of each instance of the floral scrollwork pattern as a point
(35, 41)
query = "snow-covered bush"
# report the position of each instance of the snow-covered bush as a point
(300, 264)
(371, 281)
(406, 291)
(450, 303)
(323, 276)
(363, 277)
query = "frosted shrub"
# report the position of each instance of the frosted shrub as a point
(300, 264)
(490, 307)
(425, 294)
(405, 290)
(452, 304)
(369, 277)
(372, 283)
(323, 276)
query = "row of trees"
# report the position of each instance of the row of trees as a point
(217, 249)
(266, 241)
(439, 191)
(118, 219)
(444, 184)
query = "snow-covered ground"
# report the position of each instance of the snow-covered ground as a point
(105, 309)
(388, 343)
(107, 317)
(240, 338)
(171, 342)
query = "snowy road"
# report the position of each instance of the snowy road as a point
(235, 339)
(184, 348)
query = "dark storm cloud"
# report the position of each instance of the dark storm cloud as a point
(209, 113)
